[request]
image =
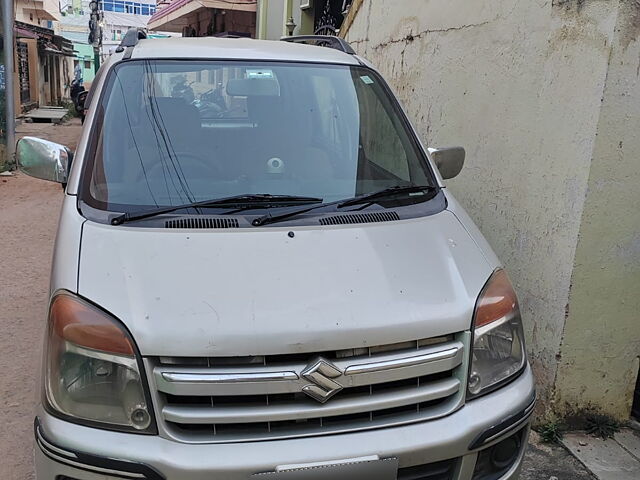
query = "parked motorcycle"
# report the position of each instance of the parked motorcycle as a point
(182, 89)
(78, 96)
(211, 104)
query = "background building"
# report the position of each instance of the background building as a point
(545, 96)
(118, 17)
(43, 59)
(201, 18)
(74, 26)
(37, 12)
(85, 59)
(301, 17)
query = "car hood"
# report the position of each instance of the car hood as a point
(271, 290)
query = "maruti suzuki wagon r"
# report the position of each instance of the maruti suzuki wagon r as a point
(259, 274)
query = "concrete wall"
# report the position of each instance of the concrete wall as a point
(601, 343)
(520, 85)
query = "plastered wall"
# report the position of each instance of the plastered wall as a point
(521, 86)
(601, 340)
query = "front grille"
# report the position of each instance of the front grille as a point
(238, 399)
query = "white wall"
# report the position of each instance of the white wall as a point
(519, 84)
(601, 343)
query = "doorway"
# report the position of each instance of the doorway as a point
(23, 72)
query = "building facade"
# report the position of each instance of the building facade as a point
(118, 16)
(116, 22)
(43, 59)
(85, 59)
(277, 18)
(201, 18)
(3, 88)
(41, 13)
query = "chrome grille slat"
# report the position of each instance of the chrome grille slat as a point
(381, 368)
(213, 400)
(313, 427)
(226, 378)
(303, 410)
(395, 363)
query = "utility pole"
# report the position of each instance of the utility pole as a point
(95, 32)
(9, 100)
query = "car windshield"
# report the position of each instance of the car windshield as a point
(174, 132)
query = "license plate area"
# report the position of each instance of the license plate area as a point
(356, 469)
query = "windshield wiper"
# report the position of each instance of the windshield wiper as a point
(263, 200)
(345, 202)
(386, 193)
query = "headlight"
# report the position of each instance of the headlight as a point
(498, 342)
(92, 374)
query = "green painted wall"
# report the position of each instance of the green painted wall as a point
(85, 52)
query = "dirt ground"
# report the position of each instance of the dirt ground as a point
(29, 211)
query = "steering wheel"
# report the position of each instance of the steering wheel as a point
(204, 168)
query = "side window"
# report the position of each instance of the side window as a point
(94, 85)
(380, 142)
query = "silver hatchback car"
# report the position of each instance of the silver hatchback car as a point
(259, 274)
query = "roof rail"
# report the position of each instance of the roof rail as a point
(322, 41)
(232, 35)
(131, 38)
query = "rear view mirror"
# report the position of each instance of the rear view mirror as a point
(43, 159)
(449, 160)
(253, 87)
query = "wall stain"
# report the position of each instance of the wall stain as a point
(628, 18)
(569, 5)
(629, 23)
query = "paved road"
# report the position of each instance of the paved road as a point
(29, 211)
(28, 216)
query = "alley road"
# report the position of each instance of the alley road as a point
(29, 211)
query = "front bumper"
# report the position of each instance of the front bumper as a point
(460, 436)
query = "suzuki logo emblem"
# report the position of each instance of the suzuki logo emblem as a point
(321, 374)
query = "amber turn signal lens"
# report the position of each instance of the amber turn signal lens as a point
(497, 300)
(83, 324)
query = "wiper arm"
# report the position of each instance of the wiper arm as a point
(360, 199)
(386, 193)
(236, 201)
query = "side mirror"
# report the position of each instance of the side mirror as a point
(448, 160)
(43, 159)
